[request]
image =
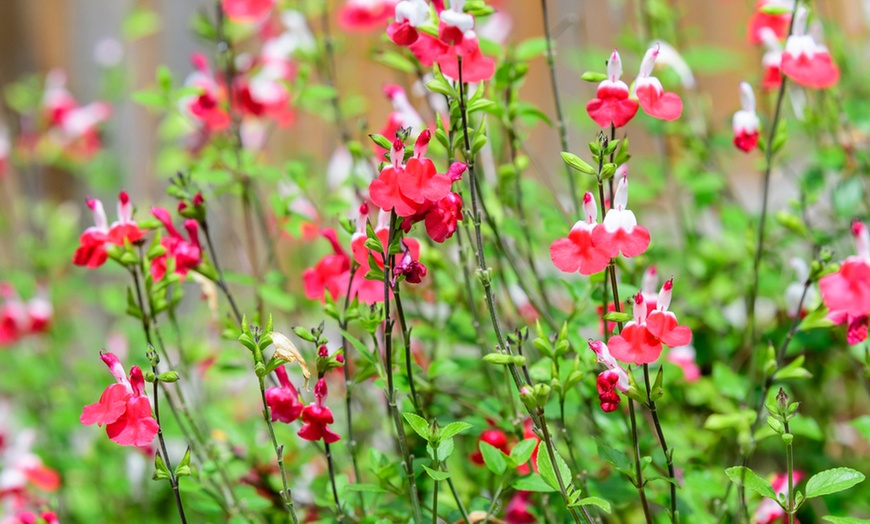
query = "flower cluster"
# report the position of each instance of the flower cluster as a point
(456, 42)
(846, 293)
(24, 478)
(123, 407)
(614, 105)
(185, 253)
(590, 246)
(19, 318)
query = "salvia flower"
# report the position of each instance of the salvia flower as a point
(365, 15)
(123, 407)
(186, 253)
(517, 510)
(612, 105)
(330, 274)
(650, 93)
(619, 231)
(807, 62)
(609, 381)
(846, 293)
(94, 242)
(19, 318)
(410, 14)
(206, 107)
(413, 270)
(247, 11)
(771, 62)
(283, 400)
(745, 122)
(579, 252)
(495, 438)
(684, 357)
(317, 418)
(775, 23)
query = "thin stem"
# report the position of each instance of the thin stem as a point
(551, 453)
(406, 339)
(560, 117)
(221, 283)
(640, 484)
(456, 496)
(338, 510)
(286, 494)
(669, 457)
(173, 480)
(348, 385)
(435, 501)
(789, 459)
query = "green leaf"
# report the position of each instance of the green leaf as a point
(528, 49)
(577, 163)
(748, 478)
(504, 360)
(845, 520)
(493, 458)
(522, 452)
(794, 369)
(548, 473)
(533, 482)
(615, 316)
(437, 475)
(832, 481)
(593, 501)
(593, 76)
(140, 23)
(418, 424)
(453, 429)
(619, 459)
(816, 319)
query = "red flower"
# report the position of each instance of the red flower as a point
(579, 252)
(441, 219)
(317, 417)
(365, 15)
(517, 509)
(330, 274)
(495, 438)
(641, 340)
(123, 407)
(745, 122)
(412, 269)
(92, 251)
(186, 253)
(759, 21)
(410, 14)
(607, 394)
(284, 400)
(247, 11)
(619, 231)
(612, 104)
(846, 293)
(205, 107)
(650, 93)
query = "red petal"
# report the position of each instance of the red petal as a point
(661, 105)
(818, 72)
(136, 427)
(112, 404)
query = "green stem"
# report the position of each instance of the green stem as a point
(173, 480)
(338, 511)
(551, 453)
(406, 339)
(456, 496)
(789, 458)
(669, 456)
(286, 494)
(640, 484)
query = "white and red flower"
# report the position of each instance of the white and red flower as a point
(366, 15)
(95, 241)
(650, 93)
(745, 122)
(579, 252)
(777, 23)
(612, 104)
(807, 62)
(619, 232)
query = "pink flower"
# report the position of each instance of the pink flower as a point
(412, 269)
(517, 509)
(684, 357)
(619, 231)
(650, 93)
(205, 107)
(247, 11)
(13, 315)
(495, 438)
(317, 418)
(745, 122)
(846, 293)
(365, 15)
(771, 62)
(123, 407)
(612, 105)
(187, 254)
(760, 20)
(442, 217)
(284, 400)
(806, 62)
(330, 274)
(579, 252)
(410, 14)
(663, 324)
(94, 241)
(769, 511)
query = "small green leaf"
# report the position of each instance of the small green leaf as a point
(593, 76)
(751, 480)
(577, 163)
(548, 473)
(504, 360)
(418, 424)
(522, 452)
(453, 429)
(437, 475)
(593, 501)
(493, 458)
(845, 520)
(615, 316)
(533, 482)
(832, 481)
